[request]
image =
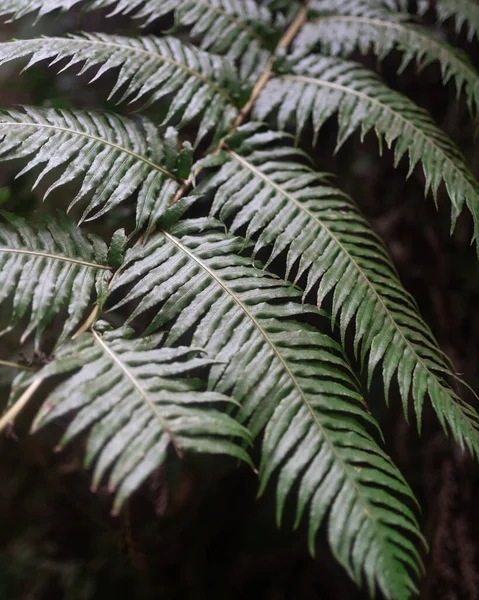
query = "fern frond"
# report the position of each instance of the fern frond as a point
(287, 207)
(116, 157)
(346, 25)
(47, 267)
(198, 84)
(238, 29)
(317, 87)
(136, 400)
(19, 8)
(464, 12)
(318, 435)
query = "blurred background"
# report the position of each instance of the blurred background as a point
(196, 531)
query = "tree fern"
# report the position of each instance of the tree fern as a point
(317, 87)
(343, 26)
(298, 373)
(207, 348)
(137, 401)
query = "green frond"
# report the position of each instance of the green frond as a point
(263, 187)
(464, 12)
(136, 400)
(19, 8)
(317, 436)
(317, 87)
(48, 267)
(346, 25)
(199, 85)
(115, 157)
(235, 28)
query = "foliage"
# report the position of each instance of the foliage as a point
(209, 321)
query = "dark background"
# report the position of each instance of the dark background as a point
(197, 531)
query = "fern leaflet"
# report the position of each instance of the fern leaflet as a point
(287, 207)
(195, 277)
(47, 267)
(344, 25)
(115, 157)
(316, 87)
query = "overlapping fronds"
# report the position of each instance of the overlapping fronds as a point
(287, 207)
(317, 87)
(346, 25)
(137, 400)
(244, 317)
(196, 84)
(464, 12)
(46, 268)
(114, 157)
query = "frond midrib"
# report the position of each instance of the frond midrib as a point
(58, 257)
(347, 470)
(134, 50)
(96, 139)
(385, 107)
(139, 388)
(343, 249)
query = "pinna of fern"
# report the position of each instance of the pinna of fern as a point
(258, 361)
(339, 27)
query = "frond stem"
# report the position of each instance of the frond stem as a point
(14, 365)
(284, 42)
(14, 410)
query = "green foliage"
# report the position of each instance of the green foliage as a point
(47, 267)
(342, 26)
(207, 347)
(128, 392)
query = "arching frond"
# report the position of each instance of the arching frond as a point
(136, 400)
(197, 84)
(47, 267)
(116, 157)
(316, 436)
(286, 207)
(346, 25)
(317, 87)
(464, 12)
(19, 8)
(236, 28)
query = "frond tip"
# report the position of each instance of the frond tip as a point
(136, 400)
(47, 267)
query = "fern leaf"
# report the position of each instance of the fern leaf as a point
(136, 400)
(116, 157)
(345, 25)
(319, 86)
(289, 208)
(151, 69)
(245, 317)
(235, 28)
(48, 267)
(19, 8)
(464, 12)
